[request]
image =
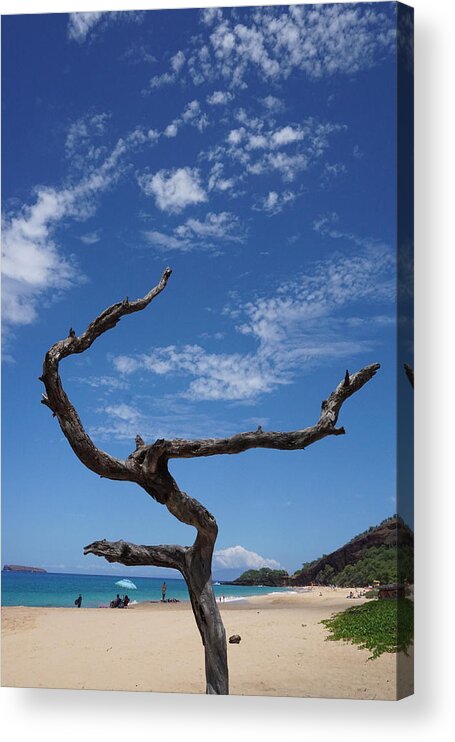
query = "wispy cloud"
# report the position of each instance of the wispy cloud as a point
(164, 417)
(196, 234)
(254, 148)
(82, 25)
(191, 115)
(307, 320)
(124, 412)
(83, 144)
(107, 383)
(91, 238)
(33, 263)
(176, 65)
(272, 104)
(275, 202)
(326, 225)
(274, 43)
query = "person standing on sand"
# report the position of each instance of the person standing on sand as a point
(78, 601)
(163, 591)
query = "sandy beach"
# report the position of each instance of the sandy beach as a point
(156, 647)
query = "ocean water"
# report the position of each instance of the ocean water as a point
(61, 590)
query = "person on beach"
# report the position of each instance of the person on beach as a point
(78, 601)
(126, 600)
(163, 591)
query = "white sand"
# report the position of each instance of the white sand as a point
(155, 647)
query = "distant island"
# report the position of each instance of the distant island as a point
(383, 553)
(19, 568)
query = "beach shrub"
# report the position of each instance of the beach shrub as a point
(380, 626)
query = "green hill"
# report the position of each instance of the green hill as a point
(264, 576)
(383, 552)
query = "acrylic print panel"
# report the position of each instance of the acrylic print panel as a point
(217, 493)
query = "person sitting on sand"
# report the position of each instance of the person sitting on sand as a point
(126, 600)
(78, 601)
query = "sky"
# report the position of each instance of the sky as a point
(253, 151)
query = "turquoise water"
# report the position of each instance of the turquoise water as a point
(61, 590)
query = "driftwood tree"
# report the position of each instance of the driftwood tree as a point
(147, 466)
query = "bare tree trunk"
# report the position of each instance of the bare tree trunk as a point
(147, 466)
(198, 577)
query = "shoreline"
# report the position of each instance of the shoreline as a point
(228, 600)
(156, 647)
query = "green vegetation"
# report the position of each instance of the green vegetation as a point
(384, 563)
(264, 576)
(380, 626)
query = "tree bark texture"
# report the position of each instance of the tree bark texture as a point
(147, 466)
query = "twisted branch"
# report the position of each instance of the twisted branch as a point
(133, 555)
(56, 399)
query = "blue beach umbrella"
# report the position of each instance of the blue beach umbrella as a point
(126, 584)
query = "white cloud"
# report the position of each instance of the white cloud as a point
(124, 412)
(219, 98)
(196, 234)
(81, 25)
(286, 135)
(272, 104)
(209, 15)
(217, 180)
(276, 42)
(288, 150)
(33, 264)
(103, 382)
(176, 64)
(173, 190)
(81, 138)
(91, 238)
(236, 135)
(306, 321)
(237, 557)
(192, 115)
(275, 202)
(331, 171)
(171, 130)
(126, 365)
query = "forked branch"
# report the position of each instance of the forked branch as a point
(56, 399)
(147, 466)
(285, 441)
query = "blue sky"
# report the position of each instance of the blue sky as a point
(253, 151)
